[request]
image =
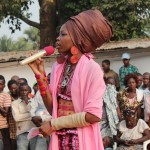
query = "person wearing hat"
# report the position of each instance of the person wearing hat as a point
(76, 85)
(126, 69)
(132, 131)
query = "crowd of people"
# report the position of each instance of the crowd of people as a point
(126, 106)
(125, 118)
(20, 111)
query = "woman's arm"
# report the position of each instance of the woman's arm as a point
(37, 67)
(146, 136)
(91, 118)
(117, 138)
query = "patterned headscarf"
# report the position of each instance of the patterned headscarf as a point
(89, 30)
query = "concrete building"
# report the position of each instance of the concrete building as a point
(138, 48)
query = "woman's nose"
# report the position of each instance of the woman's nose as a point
(58, 38)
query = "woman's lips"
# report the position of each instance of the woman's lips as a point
(57, 45)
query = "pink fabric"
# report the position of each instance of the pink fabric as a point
(87, 90)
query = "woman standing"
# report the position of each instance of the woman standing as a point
(130, 97)
(77, 84)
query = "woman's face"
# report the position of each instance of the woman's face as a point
(130, 121)
(64, 42)
(132, 83)
(13, 89)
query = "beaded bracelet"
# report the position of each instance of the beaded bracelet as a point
(42, 87)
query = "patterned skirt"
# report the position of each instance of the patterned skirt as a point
(68, 139)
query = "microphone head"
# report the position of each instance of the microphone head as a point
(49, 50)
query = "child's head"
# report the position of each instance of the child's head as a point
(108, 142)
(15, 77)
(2, 83)
(146, 78)
(110, 80)
(13, 87)
(22, 80)
(106, 65)
(24, 90)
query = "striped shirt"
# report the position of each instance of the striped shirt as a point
(5, 101)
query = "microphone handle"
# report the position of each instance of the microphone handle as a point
(33, 57)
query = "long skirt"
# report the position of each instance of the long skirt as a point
(68, 140)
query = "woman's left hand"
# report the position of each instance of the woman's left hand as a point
(134, 142)
(46, 129)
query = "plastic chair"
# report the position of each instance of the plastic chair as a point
(145, 144)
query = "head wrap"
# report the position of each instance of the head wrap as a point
(89, 30)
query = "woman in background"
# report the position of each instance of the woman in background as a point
(132, 131)
(130, 97)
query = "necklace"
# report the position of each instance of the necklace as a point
(66, 75)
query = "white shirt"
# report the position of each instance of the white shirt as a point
(22, 116)
(37, 108)
(134, 133)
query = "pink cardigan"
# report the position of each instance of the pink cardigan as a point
(87, 90)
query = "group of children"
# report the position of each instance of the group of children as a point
(20, 111)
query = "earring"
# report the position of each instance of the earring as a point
(74, 58)
(60, 59)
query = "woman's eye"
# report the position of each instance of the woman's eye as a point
(63, 34)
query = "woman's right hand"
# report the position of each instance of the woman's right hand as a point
(46, 129)
(37, 66)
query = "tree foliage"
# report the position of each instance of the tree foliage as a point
(6, 44)
(28, 42)
(33, 37)
(130, 18)
(14, 11)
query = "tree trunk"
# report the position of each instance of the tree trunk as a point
(47, 22)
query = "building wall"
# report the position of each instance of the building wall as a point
(141, 61)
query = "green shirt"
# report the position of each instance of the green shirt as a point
(123, 71)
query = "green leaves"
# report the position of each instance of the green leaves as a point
(128, 17)
(29, 42)
(12, 9)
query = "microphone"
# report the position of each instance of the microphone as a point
(45, 52)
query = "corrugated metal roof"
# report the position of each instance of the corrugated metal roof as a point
(129, 44)
(111, 46)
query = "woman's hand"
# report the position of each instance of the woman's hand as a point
(127, 143)
(134, 142)
(37, 66)
(46, 129)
